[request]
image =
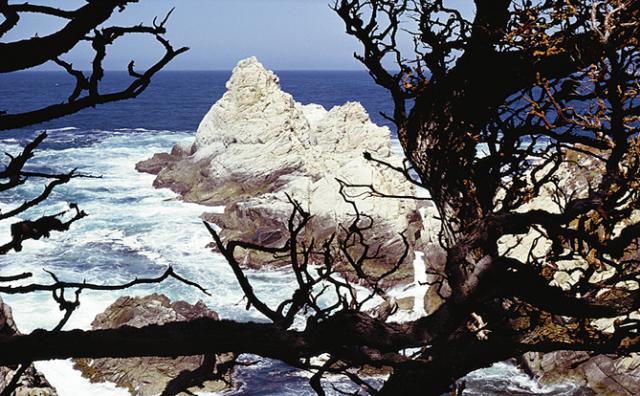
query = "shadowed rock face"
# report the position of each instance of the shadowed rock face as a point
(603, 374)
(149, 375)
(257, 143)
(32, 382)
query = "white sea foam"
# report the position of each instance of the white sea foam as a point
(124, 210)
(69, 382)
(132, 230)
(63, 129)
(416, 290)
(519, 381)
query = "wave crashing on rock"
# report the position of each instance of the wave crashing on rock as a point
(257, 144)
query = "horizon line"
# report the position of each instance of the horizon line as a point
(197, 70)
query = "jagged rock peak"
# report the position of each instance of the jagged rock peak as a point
(257, 145)
(250, 75)
(254, 110)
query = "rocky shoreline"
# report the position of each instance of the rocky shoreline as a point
(149, 376)
(257, 145)
(605, 375)
(139, 376)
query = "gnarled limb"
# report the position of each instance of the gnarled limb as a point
(25, 54)
(37, 50)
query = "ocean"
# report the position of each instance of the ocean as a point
(134, 230)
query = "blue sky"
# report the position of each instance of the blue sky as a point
(283, 34)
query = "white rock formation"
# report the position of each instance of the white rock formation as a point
(257, 143)
(254, 110)
(257, 129)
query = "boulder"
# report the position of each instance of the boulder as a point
(32, 382)
(148, 376)
(257, 145)
(605, 375)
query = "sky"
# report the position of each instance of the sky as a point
(283, 34)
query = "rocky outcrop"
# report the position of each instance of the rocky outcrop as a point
(7, 325)
(603, 374)
(574, 176)
(257, 144)
(149, 375)
(32, 382)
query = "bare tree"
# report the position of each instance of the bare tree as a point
(498, 116)
(83, 25)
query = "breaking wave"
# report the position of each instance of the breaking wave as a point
(134, 230)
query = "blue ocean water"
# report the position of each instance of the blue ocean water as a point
(134, 230)
(176, 101)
